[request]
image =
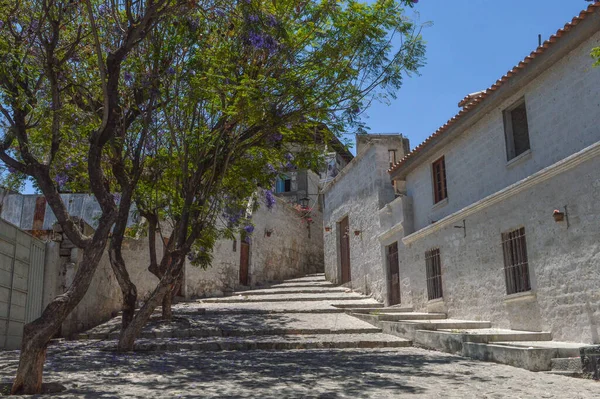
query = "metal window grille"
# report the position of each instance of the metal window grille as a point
(434, 274)
(440, 190)
(516, 266)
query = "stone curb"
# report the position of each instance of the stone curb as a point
(217, 332)
(248, 345)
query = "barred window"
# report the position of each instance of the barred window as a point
(434, 274)
(516, 267)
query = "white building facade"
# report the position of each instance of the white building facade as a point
(498, 216)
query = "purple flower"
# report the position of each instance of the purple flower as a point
(128, 76)
(11, 170)
(249, 229)
(262, 41)
(288, 156)
(272, 21)
(220, 13)
(275, 137)
(171, 71)
(253, 18)
(61, 179)
(70, 165)
(271, 168)
(269, 199)
(117, 198)
(102, 9)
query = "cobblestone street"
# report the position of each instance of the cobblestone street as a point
(214, 349)
(347, 373)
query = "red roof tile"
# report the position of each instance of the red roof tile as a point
(472, 103)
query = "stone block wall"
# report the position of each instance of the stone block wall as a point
(564, 263)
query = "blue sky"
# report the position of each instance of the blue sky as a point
(470, 45)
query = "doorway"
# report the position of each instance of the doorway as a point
(344, 231)
(393, 274)
(244, 262)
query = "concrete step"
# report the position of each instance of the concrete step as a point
(452, 341)
(377, 319)
(562, 349)
(407, 329)
(384, 310)
(362, 307)
(287, 290)
(301, 284)
(243, 298)
(401, 316)
(224, 332)
(339, 341)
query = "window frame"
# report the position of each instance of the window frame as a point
(509, 139)
(433, 274)
(439, 193)
(517, 276)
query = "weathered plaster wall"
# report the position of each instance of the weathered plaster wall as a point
(562, 108)
(359, 191)
(287, 253)
(564, 263)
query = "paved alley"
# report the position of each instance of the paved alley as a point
(286, 341)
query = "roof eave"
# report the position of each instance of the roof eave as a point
(531, 67)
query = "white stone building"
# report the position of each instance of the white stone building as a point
(497, 214)
(351, 203)
(477, 235)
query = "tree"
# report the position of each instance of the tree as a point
(61, 98)
(248, 81)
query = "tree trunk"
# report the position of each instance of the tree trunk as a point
(133, 330)
(38, 333)
(167, 311)
(128, 289)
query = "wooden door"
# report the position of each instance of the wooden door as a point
(393, 274)
(345, 250)
(244, 262)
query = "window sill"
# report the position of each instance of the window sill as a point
(519, 158)
(434, 301)
(521, 296)
(440, 204)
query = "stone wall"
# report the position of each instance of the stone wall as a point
(288, 252)
(359, 191)
(563, 262)
(562, 106)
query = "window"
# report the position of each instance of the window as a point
(392, 157)
(283, 185)
(516, 130)
(516, 268)
(440, 190)
(434, 274)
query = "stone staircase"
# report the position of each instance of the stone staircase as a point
(534, 351)
(302, 313)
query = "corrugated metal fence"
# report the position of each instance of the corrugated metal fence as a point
(21, 282)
